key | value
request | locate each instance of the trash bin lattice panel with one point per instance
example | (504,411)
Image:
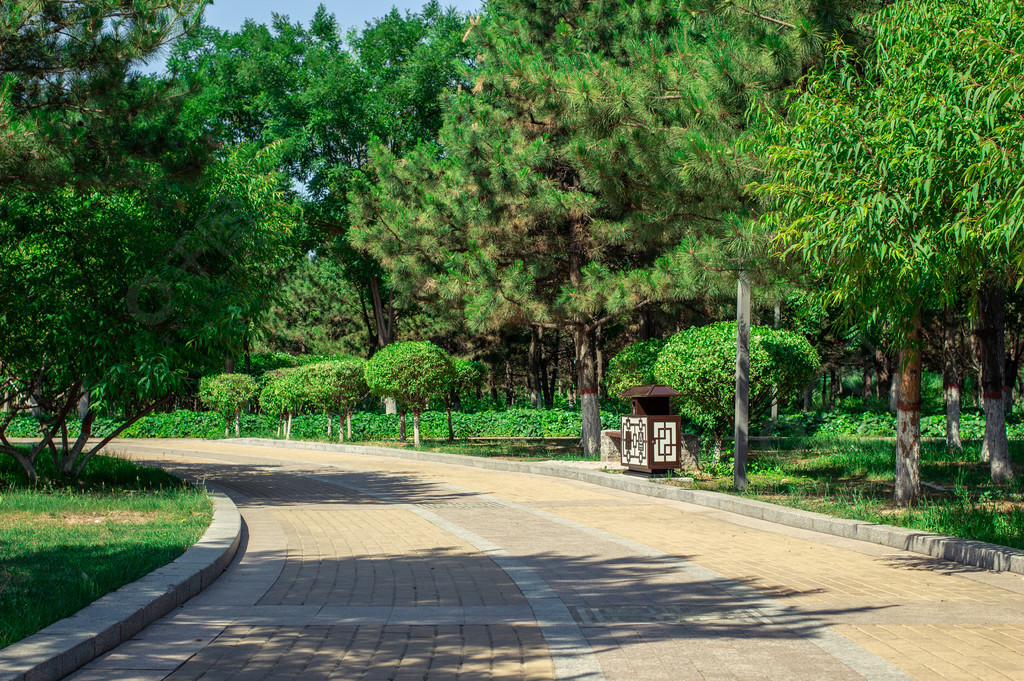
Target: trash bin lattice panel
(634,440)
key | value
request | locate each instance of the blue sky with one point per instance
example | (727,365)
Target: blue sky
(229,14)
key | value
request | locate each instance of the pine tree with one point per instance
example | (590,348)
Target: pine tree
(74,106)
(593,168)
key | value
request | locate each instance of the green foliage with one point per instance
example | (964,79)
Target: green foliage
(281,393)
(75,106)
(633,366)
(896,173)
(261,363)
(339,383)
(412,372)
(470,376)
(227,394)
(700,363)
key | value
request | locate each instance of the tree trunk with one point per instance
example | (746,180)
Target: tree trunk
(238,422)
(545,388)
(991,341)
(645,329)
(586,372)
(229,364)
(1010,369)
(533,371)
(599,358)
(866,391)
(510,388)
(951,382)
(401,425)
(384,321)
(330,420)
(883,375)
(809,397)
(835,385)
(349,419)
(894,394)
(288,428)
(824,390)
(552,380)
(742,403)
(907,486)
(415,427)
(492,385)
(451,431)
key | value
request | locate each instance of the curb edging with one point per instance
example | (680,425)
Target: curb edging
(945,547)
(64,646)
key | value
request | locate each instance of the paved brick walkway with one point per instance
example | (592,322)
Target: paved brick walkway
(368,567)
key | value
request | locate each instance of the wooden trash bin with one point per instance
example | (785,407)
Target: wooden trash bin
(651,436)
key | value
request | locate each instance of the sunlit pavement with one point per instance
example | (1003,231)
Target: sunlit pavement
(371,567)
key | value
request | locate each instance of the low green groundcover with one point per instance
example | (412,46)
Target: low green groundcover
(64,546)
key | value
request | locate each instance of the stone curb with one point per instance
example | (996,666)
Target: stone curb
(64,646)
(954,549)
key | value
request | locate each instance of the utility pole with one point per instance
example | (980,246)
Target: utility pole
(775,388)
(742,380)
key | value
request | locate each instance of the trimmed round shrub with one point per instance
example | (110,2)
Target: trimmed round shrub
(227,394)
(700,363)
(633,366)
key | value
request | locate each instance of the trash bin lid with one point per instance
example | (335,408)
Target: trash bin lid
(650,391)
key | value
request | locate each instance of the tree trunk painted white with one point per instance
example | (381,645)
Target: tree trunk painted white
(238,422)
(280,421)
(951,383)
(991,327)
(907,487)
(350,425)
(330,423)
(416,427)
(995,447)
(288,428)
(951,395)
(587,380)
(742,404)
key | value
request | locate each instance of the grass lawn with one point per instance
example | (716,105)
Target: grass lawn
(852,478)
(64,546)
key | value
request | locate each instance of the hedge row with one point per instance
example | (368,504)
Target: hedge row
(366,426)
(972,425)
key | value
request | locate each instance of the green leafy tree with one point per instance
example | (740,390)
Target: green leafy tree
(893,178)
(633,366)
(74,106)
(281,395)
(228,395)
(592,169)
(118,322)
(413,373)
(324,95)
(700,364)
(336,384)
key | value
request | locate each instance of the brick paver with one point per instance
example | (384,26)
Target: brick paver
(370,567)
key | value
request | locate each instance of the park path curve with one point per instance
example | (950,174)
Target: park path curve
(367,567)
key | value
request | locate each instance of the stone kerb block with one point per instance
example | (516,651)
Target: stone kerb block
(610,454)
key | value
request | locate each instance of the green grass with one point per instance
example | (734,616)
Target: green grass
(853,478)
(63,546)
